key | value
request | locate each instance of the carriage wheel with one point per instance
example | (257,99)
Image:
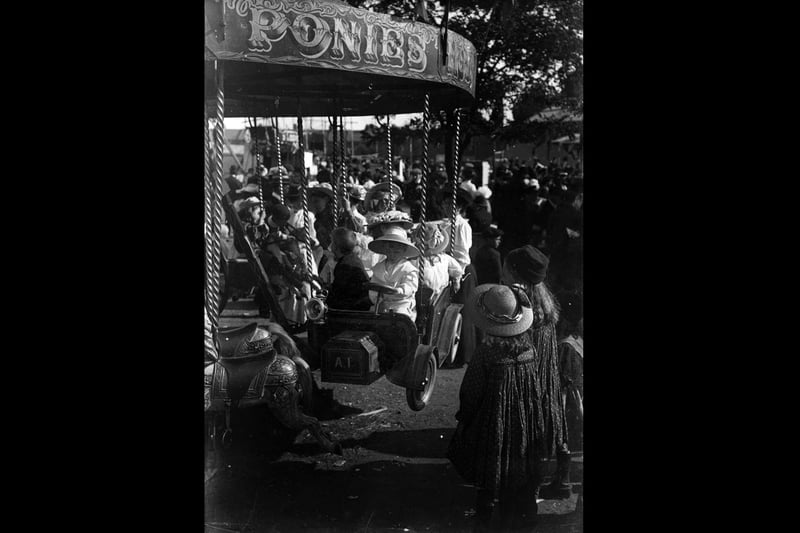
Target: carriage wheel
(418,399)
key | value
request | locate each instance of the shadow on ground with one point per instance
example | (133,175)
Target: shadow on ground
(254,493)
(382,495)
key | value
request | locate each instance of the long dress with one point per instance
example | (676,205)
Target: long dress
(497,444)
(545,341)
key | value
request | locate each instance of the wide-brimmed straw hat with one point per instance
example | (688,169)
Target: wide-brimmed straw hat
(324,189)
(247,203)
(500,310)
(357,192)
(383,187)
(431,239)
(394,234)
(394,217)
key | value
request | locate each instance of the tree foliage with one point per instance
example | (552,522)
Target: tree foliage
(529,53)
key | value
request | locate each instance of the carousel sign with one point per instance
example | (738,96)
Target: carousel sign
(322,33)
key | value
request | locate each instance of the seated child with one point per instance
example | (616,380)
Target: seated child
(438,267)
(396,271)
(347,290)
(377,224)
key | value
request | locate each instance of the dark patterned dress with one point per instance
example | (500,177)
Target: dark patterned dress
(497,444)
(545,341)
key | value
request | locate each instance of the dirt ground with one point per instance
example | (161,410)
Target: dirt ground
(393,475)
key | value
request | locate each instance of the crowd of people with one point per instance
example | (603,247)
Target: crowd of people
(520,237)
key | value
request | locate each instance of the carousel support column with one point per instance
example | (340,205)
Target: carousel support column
(306,230)
(468,338)
(336,180)
(216,226)
(426,128)
(389,162)
(208,213)
(335,141)
(423,214)
(280,161)
(342,150)
(259,162)
(454,179)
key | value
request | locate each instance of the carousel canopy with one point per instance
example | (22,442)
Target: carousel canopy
(331,58)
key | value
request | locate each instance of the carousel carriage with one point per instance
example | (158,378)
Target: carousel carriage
(281,58)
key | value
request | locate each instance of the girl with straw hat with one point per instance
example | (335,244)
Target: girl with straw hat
(438,266)
(497,444)
(396,271)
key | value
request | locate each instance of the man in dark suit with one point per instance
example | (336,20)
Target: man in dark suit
(488,265)
(565,241)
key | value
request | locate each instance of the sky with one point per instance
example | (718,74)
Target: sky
(357,123)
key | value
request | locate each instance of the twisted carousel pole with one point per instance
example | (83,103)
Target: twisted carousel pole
(389,161)
(336,179)
(426,128)
(259,161)
(423,214)
(454,180)
(335,163)
(278,147)
(307,231)
(212,279)
(208,214)
(342,150)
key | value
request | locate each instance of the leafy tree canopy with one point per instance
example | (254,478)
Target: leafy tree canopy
(529,56)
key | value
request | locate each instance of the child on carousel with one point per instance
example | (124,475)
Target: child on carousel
(438,267)
(397,272)
(347,290)
(285,257)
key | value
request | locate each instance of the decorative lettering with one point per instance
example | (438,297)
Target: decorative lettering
(351,38)
(348,37)
(304,26)
(392,45)
(416,54)
(371,51)
(266,26)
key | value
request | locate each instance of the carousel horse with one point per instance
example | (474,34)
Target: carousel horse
(262,365)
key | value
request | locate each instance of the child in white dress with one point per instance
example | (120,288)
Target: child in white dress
(396,271)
